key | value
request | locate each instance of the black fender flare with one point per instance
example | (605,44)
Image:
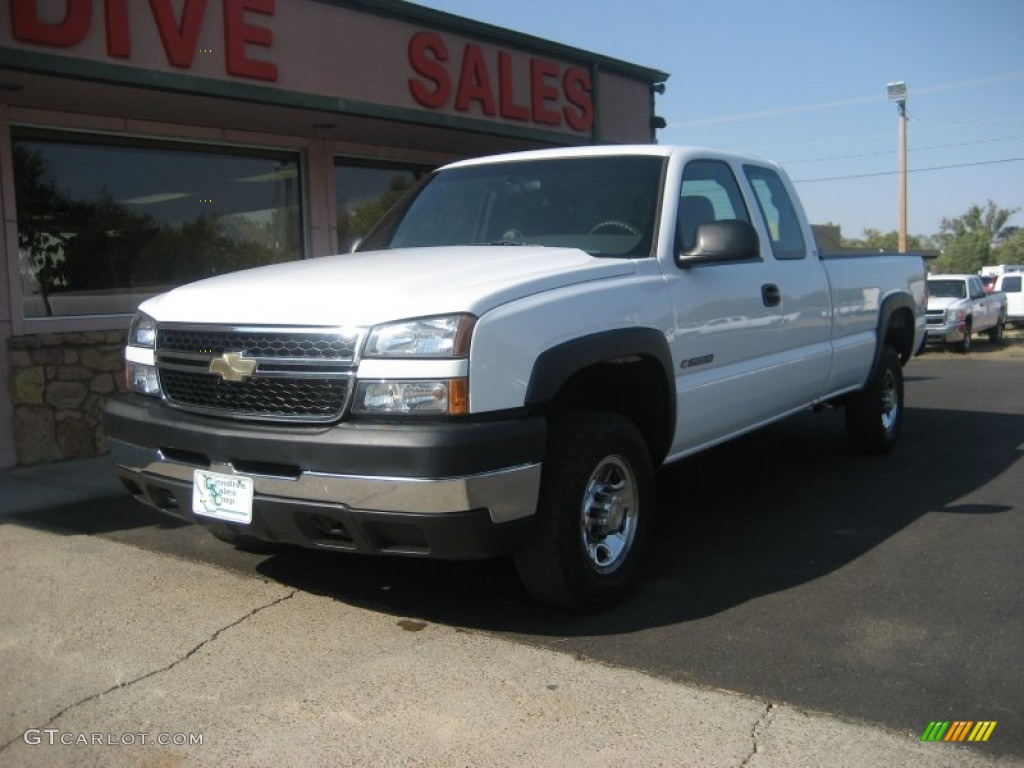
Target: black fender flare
(890,306)
(556,365)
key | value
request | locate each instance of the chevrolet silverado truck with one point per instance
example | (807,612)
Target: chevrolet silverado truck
(505,361)
(959,307)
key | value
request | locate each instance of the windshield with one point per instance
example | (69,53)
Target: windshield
(605,206)
(947,289)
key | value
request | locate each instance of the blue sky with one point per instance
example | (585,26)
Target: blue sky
(803,83)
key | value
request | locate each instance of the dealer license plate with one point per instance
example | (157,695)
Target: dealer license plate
(226,497)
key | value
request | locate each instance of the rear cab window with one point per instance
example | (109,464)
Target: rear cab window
(1011,284)
(779,213)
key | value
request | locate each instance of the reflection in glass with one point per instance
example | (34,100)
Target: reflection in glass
(103,225)
(364,193)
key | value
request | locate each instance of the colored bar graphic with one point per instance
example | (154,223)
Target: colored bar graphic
(958,730)
(982,730)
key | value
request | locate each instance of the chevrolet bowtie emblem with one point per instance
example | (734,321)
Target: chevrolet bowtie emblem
(233,366)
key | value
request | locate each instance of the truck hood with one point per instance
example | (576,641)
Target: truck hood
(363,289)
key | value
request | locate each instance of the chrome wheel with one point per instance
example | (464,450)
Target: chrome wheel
(593,513)
(890,401)
(609,514)
(874,415)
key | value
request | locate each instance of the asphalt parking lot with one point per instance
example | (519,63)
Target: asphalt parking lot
(787,568)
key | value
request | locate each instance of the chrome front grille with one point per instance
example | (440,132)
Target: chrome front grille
(270,374)
(256,342)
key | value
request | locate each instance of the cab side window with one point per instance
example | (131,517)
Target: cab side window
(709,193)
(778,212)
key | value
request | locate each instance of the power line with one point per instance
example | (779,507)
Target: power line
(922,126)
(893,151)
(913,170)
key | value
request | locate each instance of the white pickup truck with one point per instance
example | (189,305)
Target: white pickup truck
(959,307)
(507,359)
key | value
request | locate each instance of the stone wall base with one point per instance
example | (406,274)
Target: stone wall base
(59,385)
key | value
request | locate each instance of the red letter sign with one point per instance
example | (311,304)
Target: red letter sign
(119,40)
(420,45)
(179,40)
(578,88)
(474,81)
(26,26)
(509,108)
(543,92)
(237,34)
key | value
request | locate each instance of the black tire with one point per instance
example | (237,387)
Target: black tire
(228,534)
(596,462)
(964,346)
(995,333)
(874,415)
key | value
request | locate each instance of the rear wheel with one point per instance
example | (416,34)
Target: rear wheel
(874,415)
(995,333)
(597,496)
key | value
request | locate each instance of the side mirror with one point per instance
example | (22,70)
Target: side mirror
(720,242)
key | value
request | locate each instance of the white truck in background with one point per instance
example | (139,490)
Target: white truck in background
(1011,285)
(990,274)
(959,307)
(507,359)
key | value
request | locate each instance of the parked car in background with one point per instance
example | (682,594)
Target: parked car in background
(1010,285)
(959,307)
(990,274)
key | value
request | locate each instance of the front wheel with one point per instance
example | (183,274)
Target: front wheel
(964,346)
(596,500)
(874,415)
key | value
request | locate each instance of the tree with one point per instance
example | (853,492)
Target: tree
(967,240)
(1010,247)
(876,240)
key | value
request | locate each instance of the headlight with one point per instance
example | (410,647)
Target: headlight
(142,379)
(140,369)
(955,315)
(441,396)
(429,337)
(142,331)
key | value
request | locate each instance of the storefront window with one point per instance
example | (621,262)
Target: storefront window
(363,194)
(104,224)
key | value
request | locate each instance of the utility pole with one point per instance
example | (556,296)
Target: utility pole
(898,93)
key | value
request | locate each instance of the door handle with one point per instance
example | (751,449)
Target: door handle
(771,295)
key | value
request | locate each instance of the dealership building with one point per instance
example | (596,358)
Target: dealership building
(148,144)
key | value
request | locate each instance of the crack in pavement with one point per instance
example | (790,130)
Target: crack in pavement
(180,660)
(757,732)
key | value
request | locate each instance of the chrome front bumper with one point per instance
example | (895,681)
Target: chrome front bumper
(507,495)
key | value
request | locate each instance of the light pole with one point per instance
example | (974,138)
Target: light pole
(898,93)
